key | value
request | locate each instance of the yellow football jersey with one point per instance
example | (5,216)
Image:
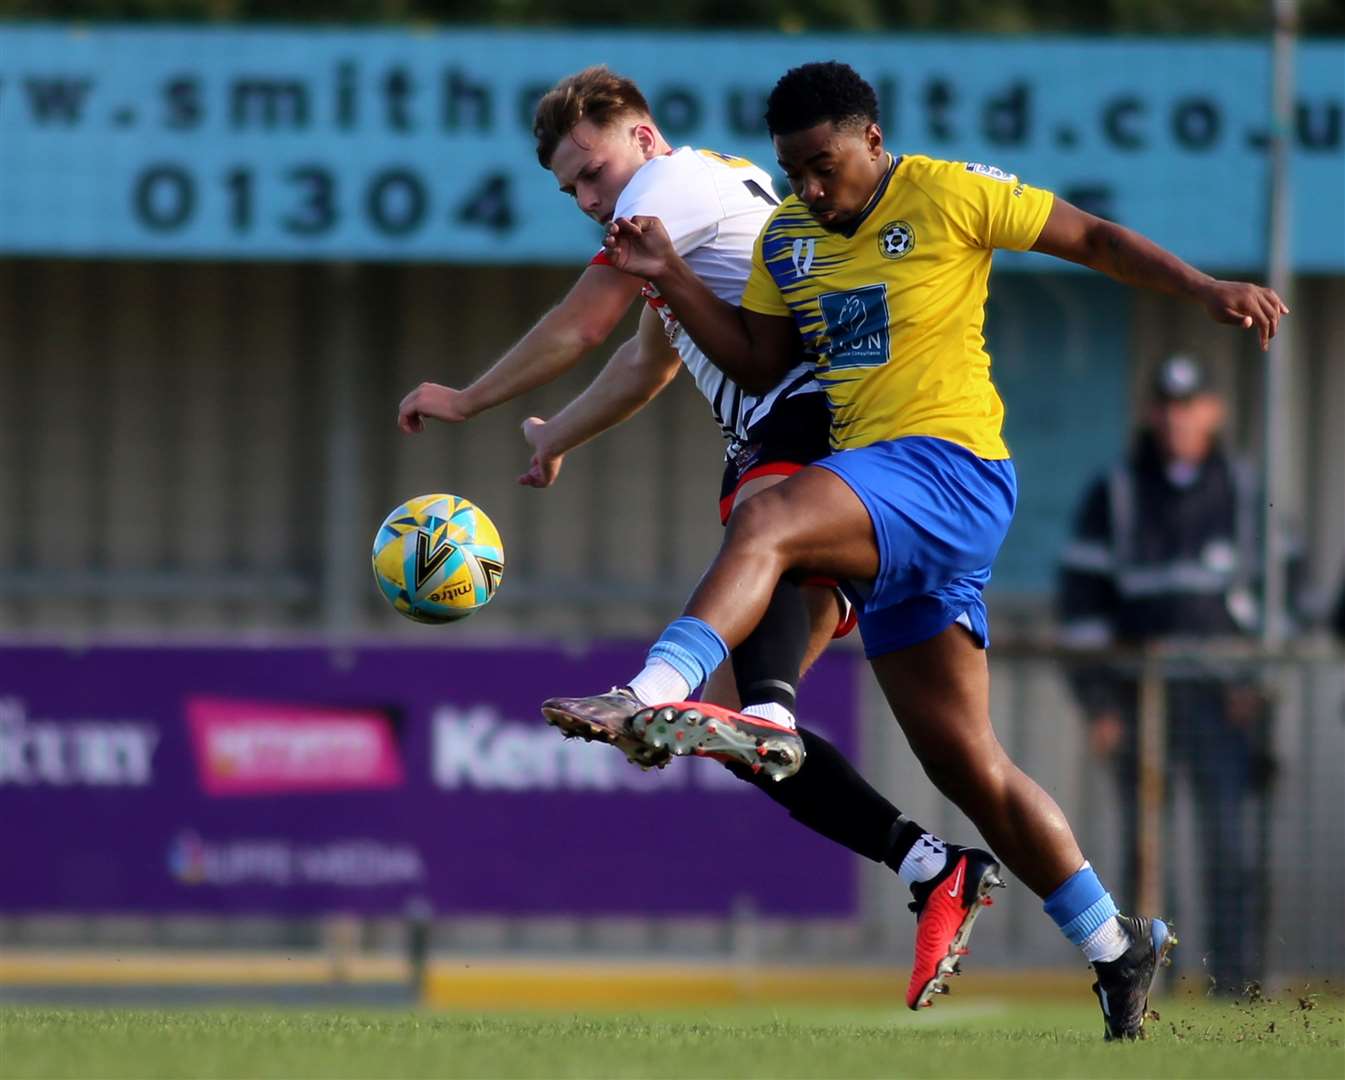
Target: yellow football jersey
(893,310)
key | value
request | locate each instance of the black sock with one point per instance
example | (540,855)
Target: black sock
(766,665)
(828,795)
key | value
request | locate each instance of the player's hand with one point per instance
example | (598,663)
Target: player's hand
(639,245)
(545,465)
(435,402)
(1249,306)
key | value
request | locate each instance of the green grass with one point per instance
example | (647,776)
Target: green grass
(976,1038)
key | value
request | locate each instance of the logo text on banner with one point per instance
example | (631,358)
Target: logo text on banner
(279,143)
(98,753)
(251,748)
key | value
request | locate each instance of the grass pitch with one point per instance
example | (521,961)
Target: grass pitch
(1290,1037)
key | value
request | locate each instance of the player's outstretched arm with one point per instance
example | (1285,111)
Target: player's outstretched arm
(753,350)
(561,338)
(1121,253)
(633,377)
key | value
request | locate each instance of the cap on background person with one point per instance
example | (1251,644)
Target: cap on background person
(1183,416)
(1179,378)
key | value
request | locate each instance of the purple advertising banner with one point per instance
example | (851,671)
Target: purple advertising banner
(301,779)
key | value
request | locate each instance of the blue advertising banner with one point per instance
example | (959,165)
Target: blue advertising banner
(300,780)
(322,143)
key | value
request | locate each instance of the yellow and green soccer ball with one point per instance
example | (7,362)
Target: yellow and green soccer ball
(438,558)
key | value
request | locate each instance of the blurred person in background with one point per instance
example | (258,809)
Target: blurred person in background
(1166,548)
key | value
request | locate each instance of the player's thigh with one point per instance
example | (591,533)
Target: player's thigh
(814,521)
(939,691)
(825,607)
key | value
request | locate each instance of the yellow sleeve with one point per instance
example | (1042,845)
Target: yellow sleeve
(991,208)
(762,294)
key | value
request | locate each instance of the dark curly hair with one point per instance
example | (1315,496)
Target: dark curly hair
(813,94)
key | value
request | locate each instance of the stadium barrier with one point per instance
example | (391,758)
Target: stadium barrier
(749,947)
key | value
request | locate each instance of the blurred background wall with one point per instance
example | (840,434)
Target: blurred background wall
(208,448)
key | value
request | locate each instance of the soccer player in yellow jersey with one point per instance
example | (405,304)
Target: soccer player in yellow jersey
(878,266)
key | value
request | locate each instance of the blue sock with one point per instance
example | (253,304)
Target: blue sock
(1081,905)
(693,647)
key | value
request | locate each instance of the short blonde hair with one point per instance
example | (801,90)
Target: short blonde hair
(596,93)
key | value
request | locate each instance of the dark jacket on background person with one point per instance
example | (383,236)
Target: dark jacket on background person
(1154,558)
(1171,551)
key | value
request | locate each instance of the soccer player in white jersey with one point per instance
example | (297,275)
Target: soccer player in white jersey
(595,133)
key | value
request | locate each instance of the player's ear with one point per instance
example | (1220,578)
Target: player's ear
(646,138)
(873,136)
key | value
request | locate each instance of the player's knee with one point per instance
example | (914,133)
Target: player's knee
(759,523)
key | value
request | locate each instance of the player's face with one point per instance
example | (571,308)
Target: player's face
(594,164)
(833,170)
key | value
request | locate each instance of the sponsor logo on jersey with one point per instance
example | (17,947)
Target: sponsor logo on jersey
(990,171)
(896,240)
(857,323)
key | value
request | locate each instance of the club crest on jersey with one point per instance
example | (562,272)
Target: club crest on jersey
(802,253)
(896,240)
(857,324)
(990,171)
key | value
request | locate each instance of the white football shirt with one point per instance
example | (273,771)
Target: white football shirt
(713,207)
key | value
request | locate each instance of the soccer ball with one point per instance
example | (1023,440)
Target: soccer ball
(438,558)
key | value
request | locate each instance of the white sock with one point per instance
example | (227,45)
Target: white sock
(1107,942)
(659,683)
(925,861)
(773,712)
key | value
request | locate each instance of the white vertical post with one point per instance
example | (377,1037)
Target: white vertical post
(1279,274)
(1151,776)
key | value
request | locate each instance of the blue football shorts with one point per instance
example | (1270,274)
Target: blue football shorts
(939,513)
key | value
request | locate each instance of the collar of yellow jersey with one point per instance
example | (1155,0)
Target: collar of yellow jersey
(878,193)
